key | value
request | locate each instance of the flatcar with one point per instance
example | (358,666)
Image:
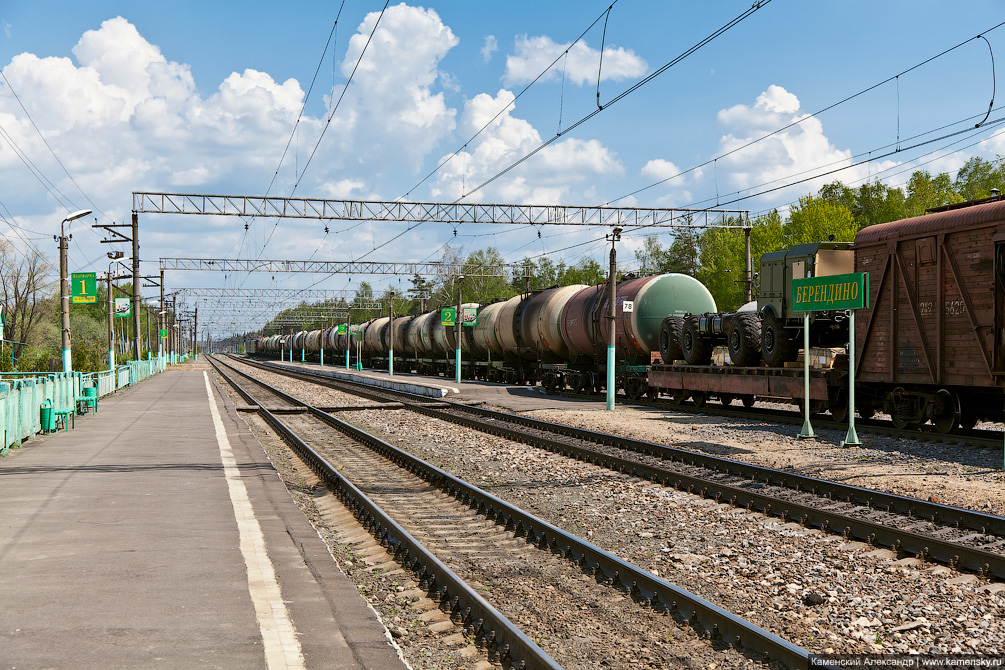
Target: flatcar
(930,347)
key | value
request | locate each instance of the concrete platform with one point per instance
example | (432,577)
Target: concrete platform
(158,534)
(515,398)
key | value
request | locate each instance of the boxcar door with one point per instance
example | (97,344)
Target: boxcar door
(999,353)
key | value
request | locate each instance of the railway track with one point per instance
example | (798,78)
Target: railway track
(403,500)
(959,538)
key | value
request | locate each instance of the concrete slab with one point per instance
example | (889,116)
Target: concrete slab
(514,398)
(120,546)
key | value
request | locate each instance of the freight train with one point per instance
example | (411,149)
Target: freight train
(557,336)
(930,347)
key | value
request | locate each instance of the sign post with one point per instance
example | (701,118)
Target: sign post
(448,319)
(847,291)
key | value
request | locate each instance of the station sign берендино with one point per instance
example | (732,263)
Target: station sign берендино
(817,294)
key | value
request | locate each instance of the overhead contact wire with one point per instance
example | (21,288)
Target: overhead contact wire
(817,113)
(620,96)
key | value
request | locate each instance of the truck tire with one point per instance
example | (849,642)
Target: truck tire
(670,334)
(777,345)
(697,348)
(744,340)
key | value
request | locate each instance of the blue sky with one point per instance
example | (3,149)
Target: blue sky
(203,97)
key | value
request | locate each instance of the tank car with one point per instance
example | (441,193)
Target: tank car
(637,331)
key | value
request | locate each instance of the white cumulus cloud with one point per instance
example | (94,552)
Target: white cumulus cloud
(490,47)
(533,54)
(391,113)
(785,156)
(550,177)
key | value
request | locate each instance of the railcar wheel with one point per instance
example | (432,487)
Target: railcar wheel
(776,344)
(697,349)
(726,399)
(633,389)
(699,398)
(671,331)
(901,423)
(653,392)
(866,411)
(968,420)
(839,412)
(747,399)
(947,420)
(744,340)
(678,396)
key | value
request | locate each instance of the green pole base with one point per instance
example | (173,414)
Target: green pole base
(851,439)
(807,432)
(610,378)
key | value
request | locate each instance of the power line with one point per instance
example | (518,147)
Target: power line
(813,115)
(620,96)
(306,97)
(511,102)
(47,146)
(330,117)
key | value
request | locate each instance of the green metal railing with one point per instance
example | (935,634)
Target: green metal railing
(22,394)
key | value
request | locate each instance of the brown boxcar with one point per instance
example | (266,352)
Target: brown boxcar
(930,346)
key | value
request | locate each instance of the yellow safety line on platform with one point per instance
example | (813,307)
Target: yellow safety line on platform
(282,648)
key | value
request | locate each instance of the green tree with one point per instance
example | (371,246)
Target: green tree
(477,288)
(682,256)
(925,191)
(652,257)
(816,219)
(587,271)
(723,266)
(977,177)
(870,203)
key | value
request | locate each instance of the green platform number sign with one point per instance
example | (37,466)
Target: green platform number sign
(340,329)
(123,308)
(448,316)
(83,288)
(469,316)
(164,333)
(814,294)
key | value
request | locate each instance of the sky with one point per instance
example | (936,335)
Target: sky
(102,99)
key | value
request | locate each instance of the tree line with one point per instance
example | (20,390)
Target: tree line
(31,322)
(714,256)
(30,295)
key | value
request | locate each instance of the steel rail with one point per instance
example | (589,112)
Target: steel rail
(707,618)
(980,561)
(480,619)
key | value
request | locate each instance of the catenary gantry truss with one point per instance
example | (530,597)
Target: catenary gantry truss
(338,267)
(438,212)
(270,294)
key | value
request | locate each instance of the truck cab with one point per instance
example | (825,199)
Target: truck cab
(778,268)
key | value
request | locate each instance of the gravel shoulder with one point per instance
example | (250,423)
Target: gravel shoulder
(813,589)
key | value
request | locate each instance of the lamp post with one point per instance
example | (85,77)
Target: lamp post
(457,333)
(612,294)
(64,286)
(390,339)
(113,256)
